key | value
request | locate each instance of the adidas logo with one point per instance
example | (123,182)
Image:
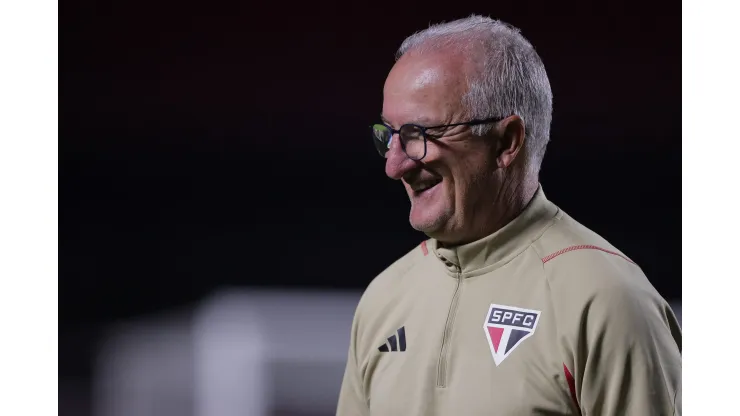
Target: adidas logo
(397,342)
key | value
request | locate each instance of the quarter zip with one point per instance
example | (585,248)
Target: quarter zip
(444,352)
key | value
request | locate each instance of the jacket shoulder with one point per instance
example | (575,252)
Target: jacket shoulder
(595,286)
(575,256)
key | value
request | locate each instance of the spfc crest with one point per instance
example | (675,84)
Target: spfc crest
(507,327)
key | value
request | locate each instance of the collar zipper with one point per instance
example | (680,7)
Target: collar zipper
(445,350)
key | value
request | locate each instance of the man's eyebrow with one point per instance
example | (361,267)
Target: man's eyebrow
(420,121)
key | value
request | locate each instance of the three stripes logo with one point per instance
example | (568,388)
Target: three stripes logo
(397,342)
(507,327)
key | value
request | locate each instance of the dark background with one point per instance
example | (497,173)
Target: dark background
(207,144)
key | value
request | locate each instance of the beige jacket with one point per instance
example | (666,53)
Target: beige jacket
(542,317)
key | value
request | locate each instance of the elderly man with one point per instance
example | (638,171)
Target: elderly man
(511,307)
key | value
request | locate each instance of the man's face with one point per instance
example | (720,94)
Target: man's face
(454,187)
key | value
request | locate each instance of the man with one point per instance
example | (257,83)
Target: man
(511,307)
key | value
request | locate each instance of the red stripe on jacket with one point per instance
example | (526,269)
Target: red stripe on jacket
(572,386)
(582,247)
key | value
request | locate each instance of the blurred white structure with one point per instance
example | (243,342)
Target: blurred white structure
(242,352)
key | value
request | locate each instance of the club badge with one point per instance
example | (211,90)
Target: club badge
(506,327)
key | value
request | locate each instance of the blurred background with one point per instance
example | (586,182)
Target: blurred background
(223,206)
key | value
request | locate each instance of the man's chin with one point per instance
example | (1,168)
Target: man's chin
(427,224)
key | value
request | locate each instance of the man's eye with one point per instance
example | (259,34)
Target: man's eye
(435,133)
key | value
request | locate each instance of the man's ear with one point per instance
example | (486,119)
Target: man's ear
(511,135)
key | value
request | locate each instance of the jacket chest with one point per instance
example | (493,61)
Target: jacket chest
(477,351)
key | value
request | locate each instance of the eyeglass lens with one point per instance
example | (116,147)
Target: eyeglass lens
(412,140)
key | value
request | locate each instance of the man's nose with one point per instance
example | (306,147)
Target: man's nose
(397,163)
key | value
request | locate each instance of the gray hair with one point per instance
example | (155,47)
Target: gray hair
(511,78)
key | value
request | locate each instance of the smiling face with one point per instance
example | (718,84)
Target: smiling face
(454,188)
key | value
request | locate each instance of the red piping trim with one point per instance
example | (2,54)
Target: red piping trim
(583,247)
(424,248)
(572,386)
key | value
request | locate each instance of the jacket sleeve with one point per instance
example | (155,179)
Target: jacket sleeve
(352,401)
(627,356)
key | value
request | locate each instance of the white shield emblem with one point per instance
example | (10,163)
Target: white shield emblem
(506,327)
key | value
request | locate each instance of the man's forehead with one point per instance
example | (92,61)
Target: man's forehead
(422,89)
(419,75)
(418,72)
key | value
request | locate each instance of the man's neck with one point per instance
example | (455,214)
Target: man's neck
(510,202)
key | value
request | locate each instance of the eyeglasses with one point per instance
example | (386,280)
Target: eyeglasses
(413,137)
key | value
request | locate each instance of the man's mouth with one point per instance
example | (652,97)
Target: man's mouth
(421,187)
